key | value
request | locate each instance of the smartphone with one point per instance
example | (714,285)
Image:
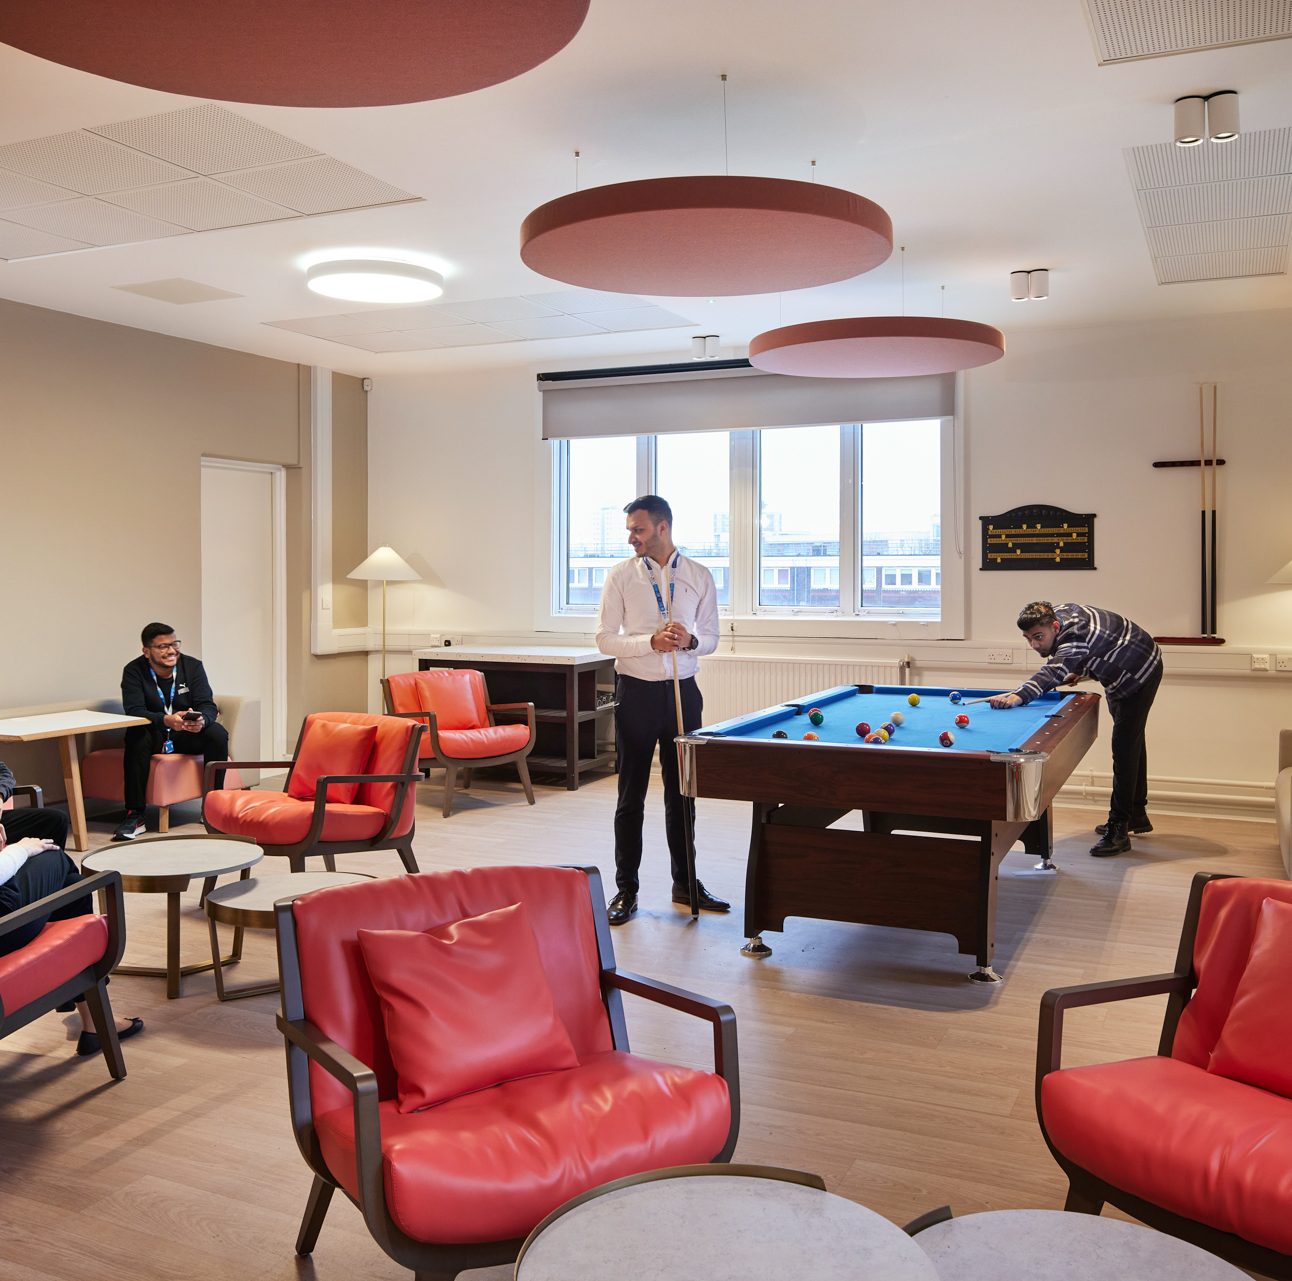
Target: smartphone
(191,716)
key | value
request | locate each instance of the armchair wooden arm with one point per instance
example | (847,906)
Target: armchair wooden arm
(527,708)
(219,767)
(37,794)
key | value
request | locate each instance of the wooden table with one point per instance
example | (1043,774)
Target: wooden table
(561,681)
(65,726)
(168,865)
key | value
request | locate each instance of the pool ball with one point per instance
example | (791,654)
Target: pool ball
(882,734)
(946,738)
(862,729)
(913,699)
(962,720)
(816,716)
(897,718)
(889,728)
(956,696)
(873,738)
(810,737)
(779,733)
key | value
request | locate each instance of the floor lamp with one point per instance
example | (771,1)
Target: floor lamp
(388,566)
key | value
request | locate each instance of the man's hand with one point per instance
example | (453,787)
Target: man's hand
(30,845)
(1005,700)
(672,636)
(175,721)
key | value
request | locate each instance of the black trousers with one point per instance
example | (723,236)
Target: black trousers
(40,875)
(143,741)
(646,718)
(1130,756)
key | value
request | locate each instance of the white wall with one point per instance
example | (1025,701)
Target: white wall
(459,484)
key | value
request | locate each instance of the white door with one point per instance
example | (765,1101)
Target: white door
(243,620)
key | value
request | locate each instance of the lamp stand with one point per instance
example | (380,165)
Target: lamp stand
(383,629)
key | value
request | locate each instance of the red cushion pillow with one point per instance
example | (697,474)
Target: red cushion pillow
(466,1006)
(331,747)
(1255,1044)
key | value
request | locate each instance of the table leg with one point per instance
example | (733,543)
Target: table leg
(72,781)
(218,963)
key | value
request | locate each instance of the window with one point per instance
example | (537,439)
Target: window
(798,515)
(600,477)
(692,471)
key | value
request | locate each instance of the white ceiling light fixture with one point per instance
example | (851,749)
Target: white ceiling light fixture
(1222,116)
(1190,120)
(374,280)
(705,347)
(1029,286)
(1018,286)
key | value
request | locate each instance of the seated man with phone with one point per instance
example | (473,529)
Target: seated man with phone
(172,692)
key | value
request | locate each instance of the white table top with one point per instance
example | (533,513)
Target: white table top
(178,856)
(1053,1245)
(557,655)
(723,1228)
(25,729)
(260,893)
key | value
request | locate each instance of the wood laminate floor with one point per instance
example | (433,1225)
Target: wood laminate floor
(865,1055)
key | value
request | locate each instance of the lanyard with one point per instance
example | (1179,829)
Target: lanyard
(166,706)
(672,581)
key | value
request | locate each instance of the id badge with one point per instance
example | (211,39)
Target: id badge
(168,746)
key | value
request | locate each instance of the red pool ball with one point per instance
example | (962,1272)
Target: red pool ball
(946,738)
(962,720)
(862,729)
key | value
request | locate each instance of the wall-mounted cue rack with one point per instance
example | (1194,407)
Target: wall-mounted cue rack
(1038,537)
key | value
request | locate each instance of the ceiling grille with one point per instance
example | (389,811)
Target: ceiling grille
(1125,30)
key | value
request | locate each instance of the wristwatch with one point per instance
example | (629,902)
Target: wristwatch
(695,643)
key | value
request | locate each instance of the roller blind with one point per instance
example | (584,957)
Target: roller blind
(647,403)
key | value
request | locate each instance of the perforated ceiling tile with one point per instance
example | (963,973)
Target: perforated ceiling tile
(362,322)
(1209,202)
(200,205)
(548,327)
(487,310)
(1128,29)
(26,242)
(1224,266)
(1264,153)
(465,336)
(319,185)
(86,163)
(584,301)
(206,139)
(1216,237)
(17,190)
(94,222)
(637,318)
(413,339)
(177,290)
(424,316)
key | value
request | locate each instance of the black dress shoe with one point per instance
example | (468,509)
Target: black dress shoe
(1138,826)
(621,907)
(708,902)
(1114,841)
(88,1042)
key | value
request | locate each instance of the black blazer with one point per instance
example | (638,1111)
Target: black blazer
(139,696)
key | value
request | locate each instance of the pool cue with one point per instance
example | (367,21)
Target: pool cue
(986,698)
(1202,509)
(1215,623)
(688,828)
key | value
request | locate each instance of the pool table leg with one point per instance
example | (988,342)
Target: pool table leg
(1038,838)
(756,948)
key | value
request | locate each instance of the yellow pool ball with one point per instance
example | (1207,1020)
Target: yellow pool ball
(913,699)
(882,735)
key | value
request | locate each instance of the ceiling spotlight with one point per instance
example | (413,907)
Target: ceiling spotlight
(1038,283)
(1222,116)
(1190,120)
(374,280)
(1018,286)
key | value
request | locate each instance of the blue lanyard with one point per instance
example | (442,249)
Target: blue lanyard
(166,707)
(659,600)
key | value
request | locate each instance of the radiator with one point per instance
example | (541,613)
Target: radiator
(735,686)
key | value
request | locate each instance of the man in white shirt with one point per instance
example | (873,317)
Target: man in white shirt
(655,605)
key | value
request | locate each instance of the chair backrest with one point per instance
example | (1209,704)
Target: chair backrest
(400,689)
(1229,911)
(339,998)
(456,696)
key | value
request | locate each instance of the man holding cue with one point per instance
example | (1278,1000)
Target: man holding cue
(1080,641)
(659,615)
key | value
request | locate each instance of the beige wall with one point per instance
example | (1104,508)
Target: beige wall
(103,429)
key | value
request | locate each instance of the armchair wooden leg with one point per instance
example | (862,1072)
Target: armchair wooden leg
(1080,1202)
(523,770)
(329,861)
(163,819)
(465,784)
(315,1210)
(450,781)
(408,858)
(105,1025)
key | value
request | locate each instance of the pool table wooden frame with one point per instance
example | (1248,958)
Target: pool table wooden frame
(895,872)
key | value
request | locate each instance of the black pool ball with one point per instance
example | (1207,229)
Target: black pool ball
(779,733)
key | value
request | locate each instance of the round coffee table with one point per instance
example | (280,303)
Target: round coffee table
(1054,1245)
(168,865)
(723,1223)
(249,904)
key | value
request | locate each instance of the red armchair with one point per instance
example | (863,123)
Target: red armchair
(462,734)
(350,787)
(460,1183)
(1195,1141)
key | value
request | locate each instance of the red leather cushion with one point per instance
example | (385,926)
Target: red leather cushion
(493,740)
(1255,1044)
(1226,924)
(403,692)
(393,734)
(59,952)
(489,1166)
(466,1006)
(340,999)
(456,697)
(1192,1142)
(273,818)
(330,747)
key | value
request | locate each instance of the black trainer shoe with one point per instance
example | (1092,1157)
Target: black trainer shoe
(708,902)
(621,907)
(1138,826)
(1114,841)
(131,826)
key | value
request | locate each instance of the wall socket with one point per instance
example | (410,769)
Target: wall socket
(1002,656)
(1260,662)
(1283,662)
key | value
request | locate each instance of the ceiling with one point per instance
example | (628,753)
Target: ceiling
(989,132)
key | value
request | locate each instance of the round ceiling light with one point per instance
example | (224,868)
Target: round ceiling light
(374,280)
(298,53)
(876,347)
(706,236)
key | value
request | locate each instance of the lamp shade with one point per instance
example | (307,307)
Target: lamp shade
(1190,121)
(385,565)
(1222,116)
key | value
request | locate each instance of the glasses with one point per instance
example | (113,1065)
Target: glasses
(168,645)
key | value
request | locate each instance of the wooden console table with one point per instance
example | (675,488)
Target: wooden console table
(575,733)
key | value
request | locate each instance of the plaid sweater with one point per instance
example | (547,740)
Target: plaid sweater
(1117,653)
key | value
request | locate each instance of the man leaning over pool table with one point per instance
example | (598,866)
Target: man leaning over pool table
(1079,642)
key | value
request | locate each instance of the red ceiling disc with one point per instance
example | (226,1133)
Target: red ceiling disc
(297,53)
(711,235)
(876,347)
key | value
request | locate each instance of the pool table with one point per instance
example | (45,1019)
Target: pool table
(992,787)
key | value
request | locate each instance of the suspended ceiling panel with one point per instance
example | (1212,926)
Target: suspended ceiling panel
(200,168)
(1126,30)
(1216,211)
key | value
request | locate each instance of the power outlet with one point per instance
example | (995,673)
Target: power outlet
(1005,657)
(1283,662)
(1260,662)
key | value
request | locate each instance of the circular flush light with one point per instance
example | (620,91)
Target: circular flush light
(374,280)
